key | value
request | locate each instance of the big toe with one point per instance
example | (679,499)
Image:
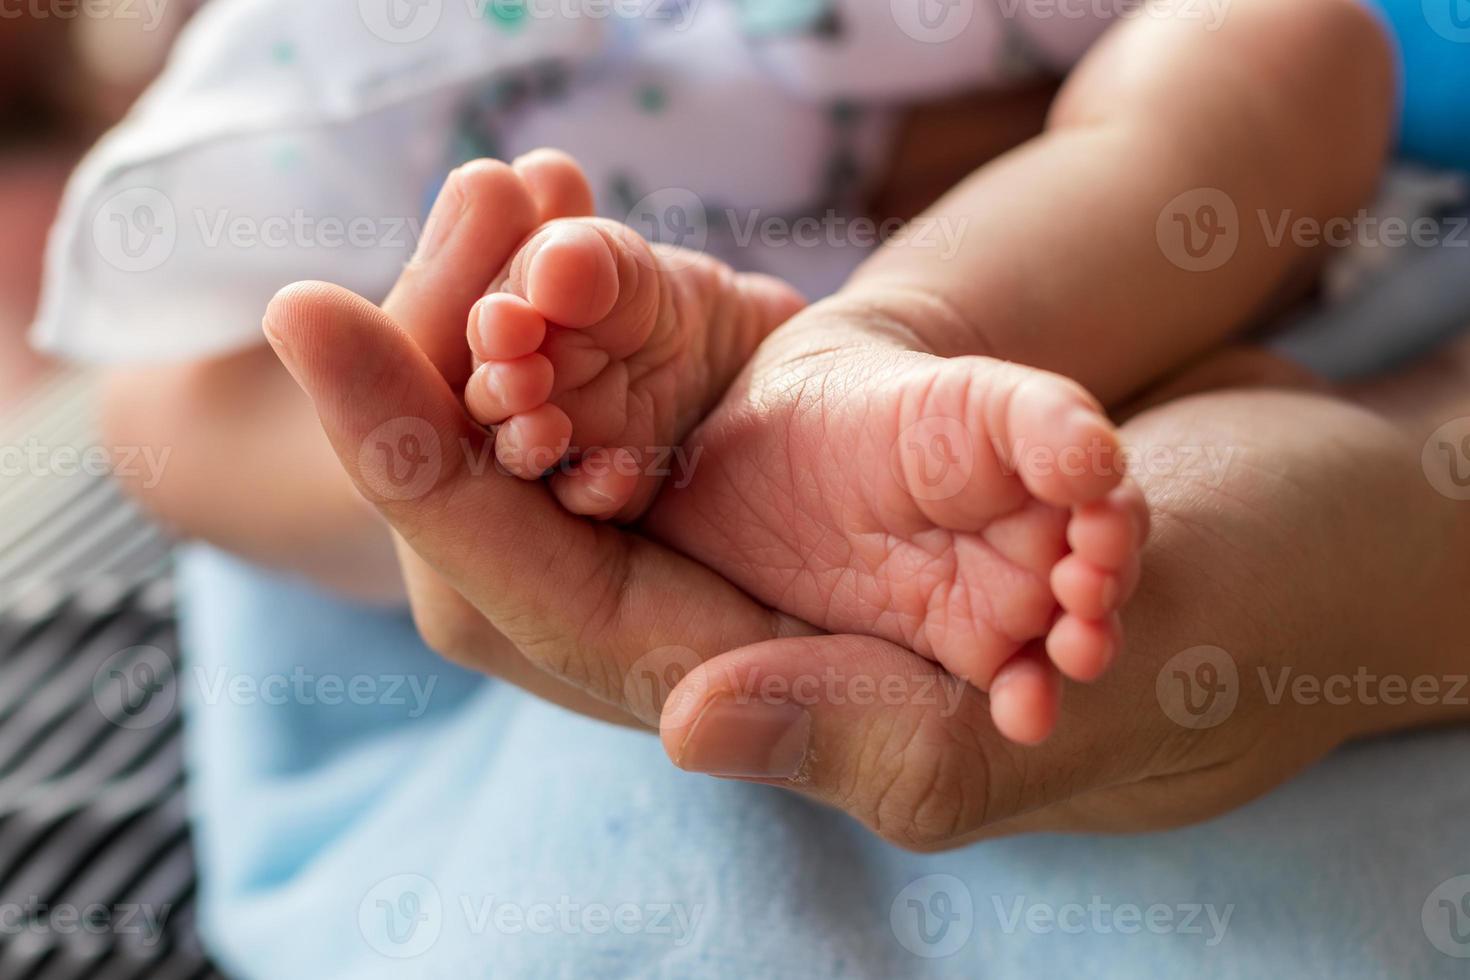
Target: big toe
(1059,441)
(571,273)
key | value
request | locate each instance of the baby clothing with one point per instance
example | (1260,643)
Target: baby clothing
(291,141)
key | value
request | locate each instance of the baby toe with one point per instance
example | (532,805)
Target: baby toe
(603,483)
(571,276)
(531,443)
(504,327)
(1109,532)
(500,389)
(1083,589)
(1025,697)
(1063,446)
(1082,649)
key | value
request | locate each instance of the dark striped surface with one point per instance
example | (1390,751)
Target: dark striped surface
(96,870)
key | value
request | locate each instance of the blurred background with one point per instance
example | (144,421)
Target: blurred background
(68,70)
(96,866)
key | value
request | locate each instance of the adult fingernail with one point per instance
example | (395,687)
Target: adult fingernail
(755,740)
(443,216)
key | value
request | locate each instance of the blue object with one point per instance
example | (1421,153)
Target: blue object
(478,832)
(1433,38)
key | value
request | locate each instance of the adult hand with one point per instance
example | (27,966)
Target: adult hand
(606,621)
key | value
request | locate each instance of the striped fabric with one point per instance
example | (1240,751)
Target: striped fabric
(96,869)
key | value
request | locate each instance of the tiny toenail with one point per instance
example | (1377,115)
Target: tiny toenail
(1110,592)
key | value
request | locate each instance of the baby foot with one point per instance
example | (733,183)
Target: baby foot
(968,508)
(598,353)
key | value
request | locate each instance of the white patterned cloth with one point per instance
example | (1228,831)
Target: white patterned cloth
(292,140)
